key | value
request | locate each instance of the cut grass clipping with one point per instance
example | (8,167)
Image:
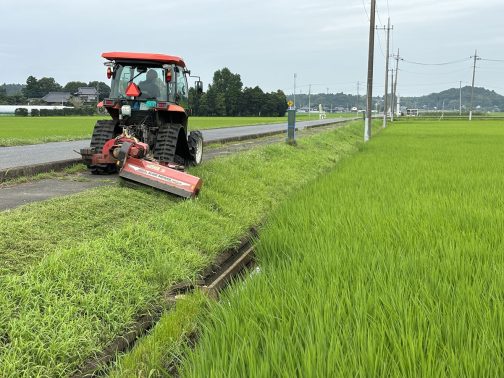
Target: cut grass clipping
(73,299)
(392,265)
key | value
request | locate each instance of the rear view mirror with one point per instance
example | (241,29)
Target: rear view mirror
(199,86)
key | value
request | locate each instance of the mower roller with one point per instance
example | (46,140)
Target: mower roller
(147,139)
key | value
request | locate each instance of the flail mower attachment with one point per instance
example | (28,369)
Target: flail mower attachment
(151,173)
(160,177)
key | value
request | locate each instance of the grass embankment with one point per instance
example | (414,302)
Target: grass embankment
(31,130)
(392,265)
(81,295)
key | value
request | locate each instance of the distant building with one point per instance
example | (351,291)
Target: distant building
(412,112)
(87,94)
(57,98)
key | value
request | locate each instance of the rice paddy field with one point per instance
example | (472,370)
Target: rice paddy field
(76,272)
(383,259)
(31,130)
(392,264)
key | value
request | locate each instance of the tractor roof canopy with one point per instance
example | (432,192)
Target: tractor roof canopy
(143,57)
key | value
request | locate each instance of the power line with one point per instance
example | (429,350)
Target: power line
(436,64)
(493,60)
(365,9)
(436,72)
(379,40)
(378,14)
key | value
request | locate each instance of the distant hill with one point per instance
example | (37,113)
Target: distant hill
(485,99)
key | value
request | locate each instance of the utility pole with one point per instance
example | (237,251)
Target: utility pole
(309,101)
(394,98)
(460,99)
(472,89)
(367,122)
(358,95)
(294,101)
(392,95)
(387,57)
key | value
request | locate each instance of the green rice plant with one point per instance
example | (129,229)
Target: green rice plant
(76,298)
(30,130)
(391,265)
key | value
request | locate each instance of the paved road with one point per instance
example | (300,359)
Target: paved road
(11,157)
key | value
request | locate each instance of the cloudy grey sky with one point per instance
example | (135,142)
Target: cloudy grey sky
(266,42)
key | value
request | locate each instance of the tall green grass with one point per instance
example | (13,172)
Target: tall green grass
(81,295)
(392,265)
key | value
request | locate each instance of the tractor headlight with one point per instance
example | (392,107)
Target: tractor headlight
(126,110)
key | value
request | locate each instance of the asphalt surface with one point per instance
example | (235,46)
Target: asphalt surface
(11,157)
(21,194)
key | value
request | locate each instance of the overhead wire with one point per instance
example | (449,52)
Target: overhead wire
(435,64)
(493,60)
(379,29)
(365,10)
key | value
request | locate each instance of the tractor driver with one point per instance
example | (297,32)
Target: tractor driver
(149,87)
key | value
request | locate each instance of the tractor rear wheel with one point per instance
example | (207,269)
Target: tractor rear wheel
(104,130)
(195,142)
(171,145)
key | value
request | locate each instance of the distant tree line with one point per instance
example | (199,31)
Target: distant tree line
(484,99)
(226,96)
(35,89)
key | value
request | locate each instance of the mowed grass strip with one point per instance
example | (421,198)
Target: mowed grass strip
(32,130)
(30,232)
(80,297)
(392,265)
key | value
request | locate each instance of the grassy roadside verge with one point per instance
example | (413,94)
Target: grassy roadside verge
(79,297)
(16,131)
(72,170)
(392,265)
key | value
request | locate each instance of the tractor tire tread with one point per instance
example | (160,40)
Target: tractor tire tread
(166,144)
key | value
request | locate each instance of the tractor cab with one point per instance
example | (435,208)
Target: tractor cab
(147,82)
(144,83)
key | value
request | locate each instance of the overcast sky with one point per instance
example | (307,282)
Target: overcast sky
(324,41)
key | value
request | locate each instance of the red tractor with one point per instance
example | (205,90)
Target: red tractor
(147,139)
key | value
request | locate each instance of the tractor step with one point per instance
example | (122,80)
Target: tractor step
(161,177)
